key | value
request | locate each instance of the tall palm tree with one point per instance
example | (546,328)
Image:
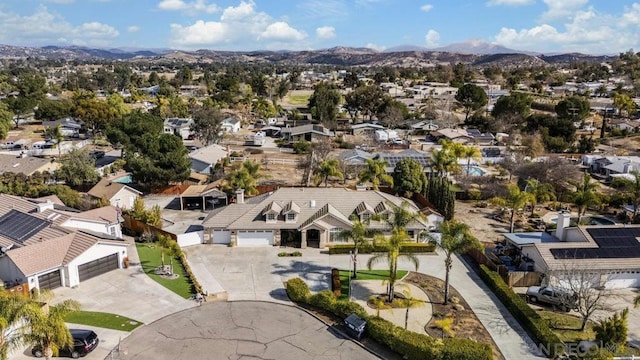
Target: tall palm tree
(359,234)
(326,169)
(442,162)
(375,173)
(393,245)
(12,328)
(401,216)
(470,152)
(455,238)
(515,199)
(253,168)
(585,195)
(541,192)
(47,328)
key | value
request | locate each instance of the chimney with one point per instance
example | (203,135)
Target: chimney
(312,203)
(564,220)
(627,168)
(42,207)
(240,196)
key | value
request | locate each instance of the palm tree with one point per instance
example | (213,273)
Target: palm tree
(585,195)
(470,152)
(393,245)
(245,177)
(442,162)
(11,325)
(359,235)
(401,216)
(55,133)
(47,328)
(409,302)
(326,169)
(632,188)
(253,168)
(541,192)
(375,173)
(515,200)
(455,238)
(379,304)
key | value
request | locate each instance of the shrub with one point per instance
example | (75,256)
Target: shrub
(344,308)
(526,316)
(254,151)
(286,254)
(455,349)
(325,299)
(369,248)
(297,290)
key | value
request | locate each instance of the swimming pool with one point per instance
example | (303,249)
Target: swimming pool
(476,171)
(590,220)
(124,179)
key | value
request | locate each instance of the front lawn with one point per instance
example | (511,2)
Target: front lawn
(298,99)
(567,326)
(150,259)
(364,275)
(102,320)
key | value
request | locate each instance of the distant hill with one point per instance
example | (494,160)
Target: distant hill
(473,53)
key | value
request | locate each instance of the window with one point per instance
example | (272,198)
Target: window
(365,217)
(112,230)
(291,217)
(334,235)
(271,217)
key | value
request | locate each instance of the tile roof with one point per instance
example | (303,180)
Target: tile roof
(25,165)
(42,256)
(107,189)
(209,154)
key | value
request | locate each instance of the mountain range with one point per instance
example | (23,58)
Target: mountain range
(471,52)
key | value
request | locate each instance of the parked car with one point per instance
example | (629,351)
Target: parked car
(556,297)
(97,154)
(84,342)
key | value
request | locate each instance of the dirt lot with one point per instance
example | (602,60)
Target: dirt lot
(480,221)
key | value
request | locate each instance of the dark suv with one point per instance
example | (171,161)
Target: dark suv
(84,342)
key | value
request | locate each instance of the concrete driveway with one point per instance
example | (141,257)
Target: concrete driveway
(240,330)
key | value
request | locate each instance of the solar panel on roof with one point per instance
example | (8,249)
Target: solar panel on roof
(19,226)
(613,243)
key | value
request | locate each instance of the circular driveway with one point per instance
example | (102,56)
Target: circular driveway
(240,330)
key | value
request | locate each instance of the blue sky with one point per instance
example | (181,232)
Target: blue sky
(588,26)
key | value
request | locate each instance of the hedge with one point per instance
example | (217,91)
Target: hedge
(537,327)
(410,345)
(411,248)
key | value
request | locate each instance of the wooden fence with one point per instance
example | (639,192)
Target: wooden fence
(511,278)
(139,227)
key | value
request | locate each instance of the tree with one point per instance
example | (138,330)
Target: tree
(470,152)
(515,200)
(95,113)
(471,97)
(391,112)
(409,177)
(393,246)
(6,116)
(48,328)
(516,105)
(77,168)
(624,103)
(632,188)
(56,134)
(455,238)
(324,102)
(360,235)
(442,162)
(540,192)
(575,108)
(446,326)
(582,283)
(12,329)
(409,302)
(326,169)
(160,160)
(31,87)
(375,173)
(128,131)
(207,125)
(244,177)
(53,109)
(613,330)
(585,195)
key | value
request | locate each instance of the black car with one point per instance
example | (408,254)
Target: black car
(84,342)
(97,154)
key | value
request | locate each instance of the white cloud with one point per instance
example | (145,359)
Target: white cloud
(432,38)
(133,28)
(585,31)
(239,27)
(45,28)
(192,7)
(375,47)
(323,9)
(509,2)
(561,9)
(426,7)
(326,32)
(60,1)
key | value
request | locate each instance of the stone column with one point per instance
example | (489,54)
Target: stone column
(303,241)
(324,239)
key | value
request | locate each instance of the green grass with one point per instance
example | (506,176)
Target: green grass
(364,275)
(150,259)
(102,320)
(298,100)
(567,326)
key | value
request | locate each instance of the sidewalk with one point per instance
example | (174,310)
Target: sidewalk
(419,316)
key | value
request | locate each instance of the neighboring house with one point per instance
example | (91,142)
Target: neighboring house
(204,159)
(392,159)
(118,194)
(202,197)
(65,123)
(231,125)
(455,135)
(611,252)
(610,166)
(354,157)
(308,132)
(45,248)
(425,125)
(178,126)
(625,124)
(26,164)
(304,217)
(366,129)
(480,138)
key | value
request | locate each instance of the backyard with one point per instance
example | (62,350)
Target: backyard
(151,259)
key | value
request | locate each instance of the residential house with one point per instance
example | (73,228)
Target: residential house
(202,197)
(625,124)
(303,217)
(42,247)
(178,126)
(455,135)
(65,123)
(611,166)
(392,159)
(308,132)
(425,125)
(204,159)
(231,125)
(366,129)
(354,157)
(26,165)
(118,194)
(611,253)
(480,138)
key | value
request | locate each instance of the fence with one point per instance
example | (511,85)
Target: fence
(139,227)
(292,162)
(511,278)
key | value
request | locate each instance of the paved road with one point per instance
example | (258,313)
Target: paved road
(259,274)
(240,330)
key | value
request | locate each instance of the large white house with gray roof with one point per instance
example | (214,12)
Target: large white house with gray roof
(304,217)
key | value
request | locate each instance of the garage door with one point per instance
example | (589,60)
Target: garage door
(221,236)
(98,267)
(255,238)
(623,280)
(50,280)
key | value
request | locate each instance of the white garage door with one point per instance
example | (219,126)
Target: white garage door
(623,280)
(221,236)
(255,238)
